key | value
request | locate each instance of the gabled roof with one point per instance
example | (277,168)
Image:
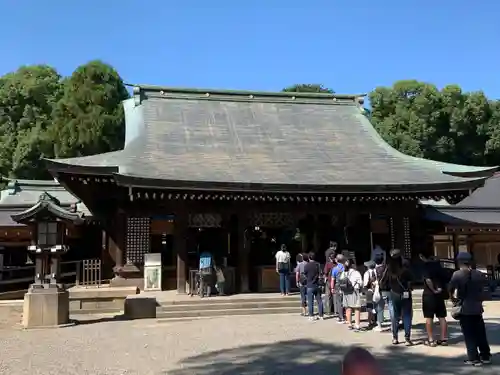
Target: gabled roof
(244,141)
(49,206)
(481,207)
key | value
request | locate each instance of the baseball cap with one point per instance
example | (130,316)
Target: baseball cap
(464,257)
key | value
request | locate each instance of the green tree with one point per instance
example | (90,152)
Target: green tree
(89,118)
(447,125)
(308,88)
(492,147)
(27,98)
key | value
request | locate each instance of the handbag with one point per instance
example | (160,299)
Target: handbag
(376,291)
(457,308)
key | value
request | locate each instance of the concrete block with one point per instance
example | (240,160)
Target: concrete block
(140,307)
(45,308)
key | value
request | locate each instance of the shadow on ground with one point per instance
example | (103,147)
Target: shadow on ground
(310,357)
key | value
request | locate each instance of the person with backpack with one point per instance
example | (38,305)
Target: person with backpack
(369,284)
(467,290)
(301,281)
(312,271)
(206,268)
(350,283)
(338,309)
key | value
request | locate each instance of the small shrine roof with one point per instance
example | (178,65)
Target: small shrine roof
(20,195)
(47,206)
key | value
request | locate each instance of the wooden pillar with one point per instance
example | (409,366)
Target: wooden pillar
(399,233)
(316,229)
(243,253)
(180,238)
(116,237)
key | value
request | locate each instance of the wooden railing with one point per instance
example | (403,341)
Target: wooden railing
(85,272)
(20,277)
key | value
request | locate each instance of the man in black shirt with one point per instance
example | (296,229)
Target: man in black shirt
(433,299)
(467,286)
(312,270)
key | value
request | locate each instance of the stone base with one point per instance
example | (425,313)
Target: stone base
(105,298)
(45,307)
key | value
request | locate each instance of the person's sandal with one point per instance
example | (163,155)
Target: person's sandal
(430,343)
(442,342)
(408,342)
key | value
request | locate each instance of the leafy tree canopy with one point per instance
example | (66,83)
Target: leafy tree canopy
(43,115)
(89,118)
(448,125)
(308,88)
(27,97)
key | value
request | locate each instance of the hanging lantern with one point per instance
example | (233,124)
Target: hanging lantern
(297,236)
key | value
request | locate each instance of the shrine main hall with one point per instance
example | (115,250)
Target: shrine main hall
(239,173)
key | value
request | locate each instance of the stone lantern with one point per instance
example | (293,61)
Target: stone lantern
(46,304)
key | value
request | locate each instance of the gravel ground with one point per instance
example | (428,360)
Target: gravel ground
(280,344)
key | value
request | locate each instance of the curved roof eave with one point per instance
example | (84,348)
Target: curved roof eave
(55,210)
(242,187)
(66,166)
(451,169)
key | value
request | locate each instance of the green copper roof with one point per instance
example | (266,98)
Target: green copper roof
(243,140)
(20,195)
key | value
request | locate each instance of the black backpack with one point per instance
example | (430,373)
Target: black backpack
(343,281)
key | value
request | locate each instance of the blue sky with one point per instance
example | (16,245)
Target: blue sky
(350,46)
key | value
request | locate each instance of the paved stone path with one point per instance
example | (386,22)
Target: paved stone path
(281,344)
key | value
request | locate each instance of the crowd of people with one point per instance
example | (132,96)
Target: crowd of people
(338,286)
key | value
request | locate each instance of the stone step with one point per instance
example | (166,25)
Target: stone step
(232,305)
(208,305)
(197,302)
(163,314)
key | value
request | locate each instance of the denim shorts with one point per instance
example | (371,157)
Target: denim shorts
(303,296)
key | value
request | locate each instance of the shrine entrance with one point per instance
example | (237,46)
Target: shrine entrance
(265,235)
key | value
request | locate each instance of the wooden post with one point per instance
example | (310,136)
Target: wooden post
(243,253)
(316,228)
(180,237)
(116,232)
(399,233)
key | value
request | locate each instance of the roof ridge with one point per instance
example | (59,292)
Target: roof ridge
(145,91)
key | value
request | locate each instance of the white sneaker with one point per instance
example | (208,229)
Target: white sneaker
(377,329)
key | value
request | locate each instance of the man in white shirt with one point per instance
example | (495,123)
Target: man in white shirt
(377,252)
(283,269)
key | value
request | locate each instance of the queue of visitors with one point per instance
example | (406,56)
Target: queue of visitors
(389,282)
